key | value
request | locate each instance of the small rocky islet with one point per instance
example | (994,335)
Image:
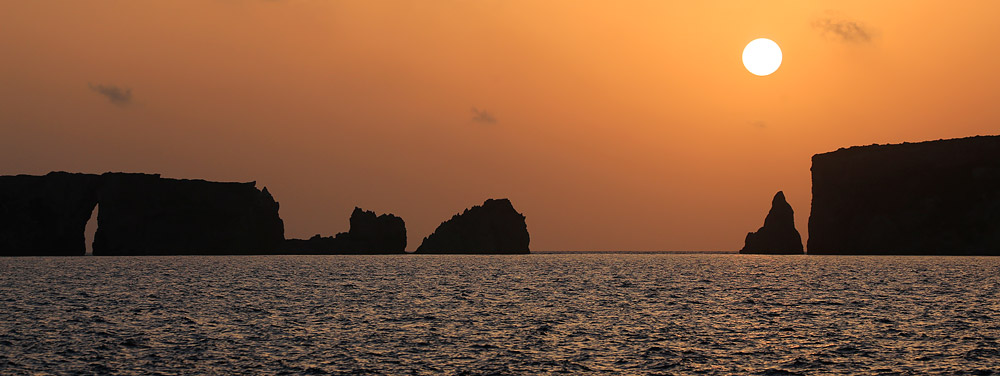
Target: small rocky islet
(369,234)
(491,228)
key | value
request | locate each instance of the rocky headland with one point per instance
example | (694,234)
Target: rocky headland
(140,214)
(928,198)
(143,214)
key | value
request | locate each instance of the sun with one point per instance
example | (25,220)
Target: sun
(762,56)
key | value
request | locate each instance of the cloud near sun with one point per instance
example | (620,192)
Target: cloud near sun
(483,116)
(843,29)
(115,94)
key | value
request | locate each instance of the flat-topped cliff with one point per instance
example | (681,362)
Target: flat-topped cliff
(143,214)
(927,198)
(140,214)
(493,228)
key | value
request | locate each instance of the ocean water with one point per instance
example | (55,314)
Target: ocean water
(500,315)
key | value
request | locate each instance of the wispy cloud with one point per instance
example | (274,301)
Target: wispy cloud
(483,116)
(115,94)
(758,124)
(843,29)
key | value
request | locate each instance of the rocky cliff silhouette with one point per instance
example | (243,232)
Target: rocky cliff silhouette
(929,198)
(45,215)
(140,214)
(493,228)
(369,234)
(778,235)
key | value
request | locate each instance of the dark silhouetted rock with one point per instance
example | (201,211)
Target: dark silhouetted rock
(143,214)
(45,215)
(928,198)
(778,235)
(493,228)
(140,214)
(369,234)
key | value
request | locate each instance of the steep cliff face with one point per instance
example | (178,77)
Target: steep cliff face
(928,198)
(369,234)
(493,228)
(45,215)
(143,214)
(778,235)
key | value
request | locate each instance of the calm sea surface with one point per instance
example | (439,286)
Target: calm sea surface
(500,315)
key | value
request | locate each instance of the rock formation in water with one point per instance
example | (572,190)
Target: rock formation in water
(140,214)
(778,235)
(493,228)
(369,234)
(45,215)
(928,198)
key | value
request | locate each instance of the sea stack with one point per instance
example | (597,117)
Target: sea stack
(778,235)
(369,234)
(493,228)
(927,198)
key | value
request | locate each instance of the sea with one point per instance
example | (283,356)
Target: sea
(539,314)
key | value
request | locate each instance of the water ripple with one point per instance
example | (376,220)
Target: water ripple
(500,315)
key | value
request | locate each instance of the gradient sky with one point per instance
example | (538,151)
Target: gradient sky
(612,125)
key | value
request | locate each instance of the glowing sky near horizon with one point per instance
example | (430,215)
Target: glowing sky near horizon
(628,125)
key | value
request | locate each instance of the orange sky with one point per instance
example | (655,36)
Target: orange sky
(624,125)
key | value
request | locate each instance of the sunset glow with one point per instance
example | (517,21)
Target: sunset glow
(611,125)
